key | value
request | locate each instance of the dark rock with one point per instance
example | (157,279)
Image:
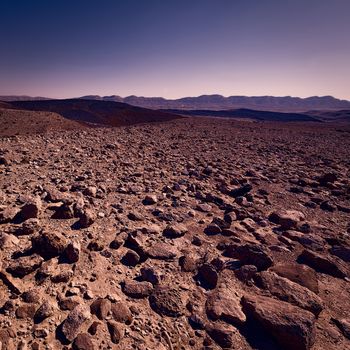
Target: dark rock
(136,289)
(72,324)
(116,331)
(321,263)
(251,254)
(166,301)
(49,244)
(131,258)
(175,231)
(292,327)
(101,308)
(83,342)
(24,265)
(208,276)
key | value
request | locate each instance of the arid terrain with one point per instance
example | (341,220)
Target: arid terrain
(195,233)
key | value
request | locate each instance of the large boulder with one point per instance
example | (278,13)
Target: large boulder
(225,303)
(322,263)
(289,291)
(49,244)
(292,327)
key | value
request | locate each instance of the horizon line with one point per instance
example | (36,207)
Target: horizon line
(166,98)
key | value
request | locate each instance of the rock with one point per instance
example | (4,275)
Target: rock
(149,274)
(246,273)
(212,229)
(31,296)
(46,310)
(83,342)
(188,263)
(121,313)
(166,301)
(327,178)
(49,244)
(96,245)
(241,191)
(292,327)
(71,253)
(224,304)
(130,258)
(101,308)
(208,276)
(87,218)
(251,254)
(137,289)
(223,336)
(175,231)
(24,265)
(90,191)
(161,251)
(72,324)
(230,217)
(150,199)
(341,252)
(301,274)
(289,291)
(321,263)
(116,331)
(30,209)
(344,325)
(94,327)
(28,227)
(287,219)
(65,211)
(26,311)
(8,214)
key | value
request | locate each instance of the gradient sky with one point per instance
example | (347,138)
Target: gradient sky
(175,48)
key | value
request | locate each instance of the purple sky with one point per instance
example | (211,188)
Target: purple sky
(66,48)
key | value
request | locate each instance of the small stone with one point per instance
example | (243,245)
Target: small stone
(87,218)
(116,331)
(149,274)
(121,313)
(131,258)
(75,319)
(83,342)
(101,308)
(166,301)
(150,199)
(208,276)
(175,231)
(72,252)
(46,310)
(137,289)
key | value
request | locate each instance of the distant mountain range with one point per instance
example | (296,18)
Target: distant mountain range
(218,102)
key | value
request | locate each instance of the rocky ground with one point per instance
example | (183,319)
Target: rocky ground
(192,234)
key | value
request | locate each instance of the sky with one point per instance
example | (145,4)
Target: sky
(175,48)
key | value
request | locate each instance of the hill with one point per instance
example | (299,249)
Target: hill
(96,112)
(249,114)
(18,122)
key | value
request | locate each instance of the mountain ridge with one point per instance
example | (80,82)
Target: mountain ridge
(216,102)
